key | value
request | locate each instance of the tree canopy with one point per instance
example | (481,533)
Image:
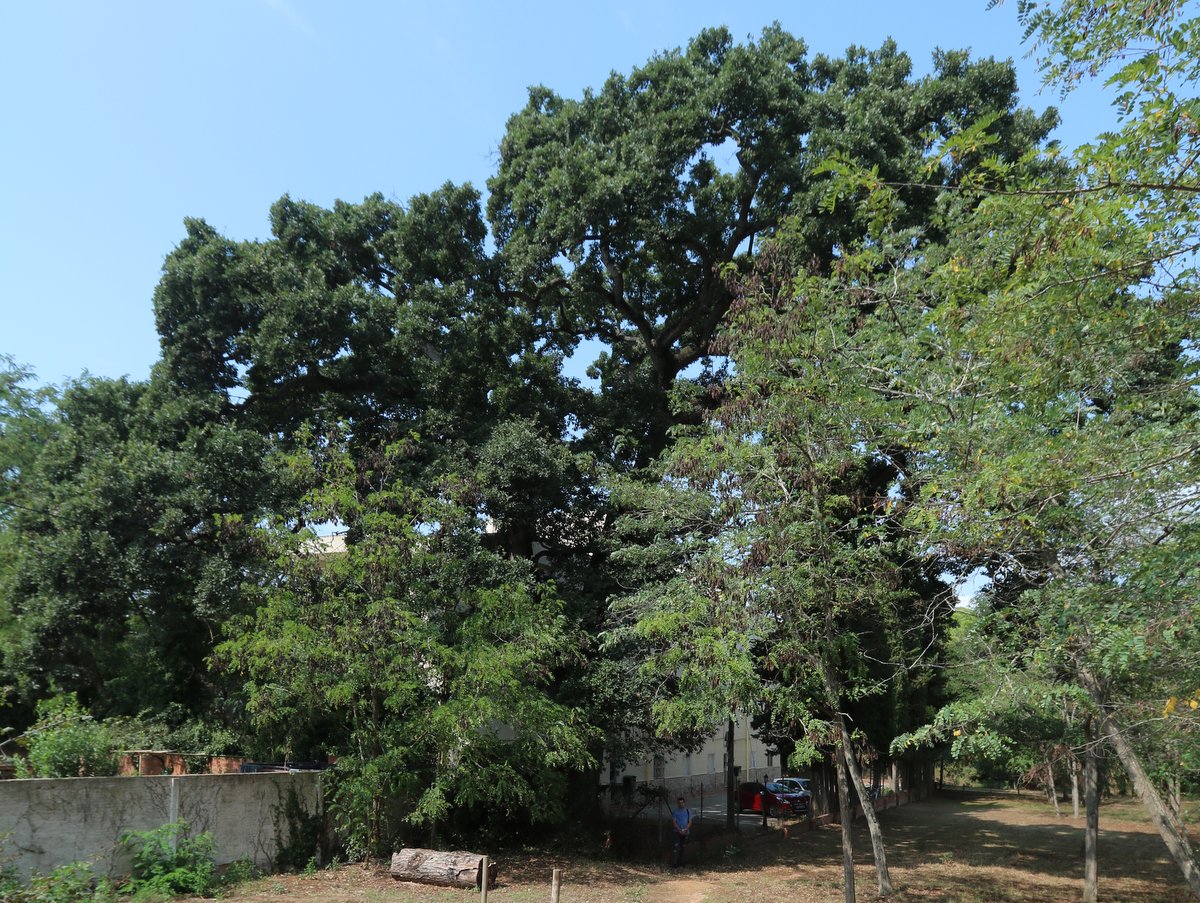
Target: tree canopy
(864,332)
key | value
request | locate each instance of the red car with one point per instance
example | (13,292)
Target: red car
(779,800)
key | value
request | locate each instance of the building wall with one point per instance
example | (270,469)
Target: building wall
(703,768)
(45,823)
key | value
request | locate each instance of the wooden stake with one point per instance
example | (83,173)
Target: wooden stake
(483,884)
(555,885)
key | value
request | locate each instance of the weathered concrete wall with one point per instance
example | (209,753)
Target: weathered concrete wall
(47,823)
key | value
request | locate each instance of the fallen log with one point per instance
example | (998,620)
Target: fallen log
(455,869)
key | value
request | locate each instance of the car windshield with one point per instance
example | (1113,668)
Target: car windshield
(779,788)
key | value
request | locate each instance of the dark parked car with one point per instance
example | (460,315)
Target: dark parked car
(779,799)
(802,790)
(797,785)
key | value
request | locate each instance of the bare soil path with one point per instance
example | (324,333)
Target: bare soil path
(945,850)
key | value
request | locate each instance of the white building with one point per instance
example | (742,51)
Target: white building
(705,768)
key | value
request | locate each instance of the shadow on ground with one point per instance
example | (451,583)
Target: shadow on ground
(955,849)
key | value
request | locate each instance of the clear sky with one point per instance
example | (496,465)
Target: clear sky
(120,118)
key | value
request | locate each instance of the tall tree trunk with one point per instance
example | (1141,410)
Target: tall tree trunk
(833,686)
(1091,800)
(847,818)
(730,782)
(1073,761)
(1171,831)
(881,868)
(1050,788)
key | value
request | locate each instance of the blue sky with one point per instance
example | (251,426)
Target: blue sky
(118,119)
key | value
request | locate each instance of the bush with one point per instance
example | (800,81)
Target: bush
(66,742)
(70,883)
(168,861)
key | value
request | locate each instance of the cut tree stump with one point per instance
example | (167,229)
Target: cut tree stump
(456,869)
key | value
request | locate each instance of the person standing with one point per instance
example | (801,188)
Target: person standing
(681,820)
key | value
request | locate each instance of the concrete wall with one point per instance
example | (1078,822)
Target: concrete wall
(47,823)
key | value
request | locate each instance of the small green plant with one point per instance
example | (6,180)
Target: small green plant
(239,871)
(70,883)
(168,861)
(11,887)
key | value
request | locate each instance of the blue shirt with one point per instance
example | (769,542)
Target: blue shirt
(683,818)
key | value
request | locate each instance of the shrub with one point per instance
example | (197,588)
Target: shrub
(239,871)
(70,883)
(66,742)
(168,861)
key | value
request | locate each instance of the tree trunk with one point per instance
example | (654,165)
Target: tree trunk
(730,784)
(1073,761)
(456,869)
(881,868)
(847,826)
(833,686)
(1050,788)
(1091,800)
(1171,831)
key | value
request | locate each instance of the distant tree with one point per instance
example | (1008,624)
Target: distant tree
(126,555)
(24,427)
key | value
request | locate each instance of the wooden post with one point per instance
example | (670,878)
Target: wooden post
(483,880)
(555,885)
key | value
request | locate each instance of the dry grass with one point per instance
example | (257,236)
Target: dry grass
(971,850)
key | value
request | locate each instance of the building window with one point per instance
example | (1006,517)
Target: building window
(614,773)
(660,768)
(712,763)
(687,764)
(753,759)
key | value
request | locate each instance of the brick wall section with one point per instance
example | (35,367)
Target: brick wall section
(48,823)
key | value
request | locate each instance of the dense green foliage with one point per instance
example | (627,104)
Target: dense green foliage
(170,861)
(66,742)
(864,332)
(421,659)
(167,862)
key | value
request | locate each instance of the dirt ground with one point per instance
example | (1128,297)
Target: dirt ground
(945,850)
